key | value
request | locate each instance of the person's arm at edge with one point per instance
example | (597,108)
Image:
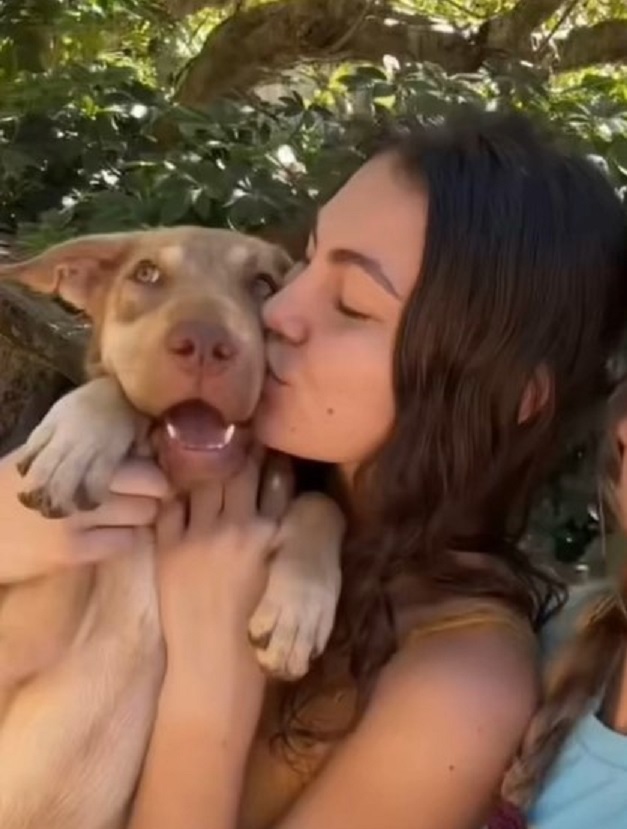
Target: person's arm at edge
(32,546)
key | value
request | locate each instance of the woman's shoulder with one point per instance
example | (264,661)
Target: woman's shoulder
(453,707)
(464,616)
(479,660)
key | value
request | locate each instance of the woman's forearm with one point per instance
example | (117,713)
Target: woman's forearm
(194,769)
(192,775)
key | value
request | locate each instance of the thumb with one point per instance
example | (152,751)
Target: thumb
(277,486)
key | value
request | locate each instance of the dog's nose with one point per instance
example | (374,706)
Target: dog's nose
(196,344)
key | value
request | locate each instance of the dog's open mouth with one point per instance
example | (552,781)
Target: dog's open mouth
(195,443)
(197,427)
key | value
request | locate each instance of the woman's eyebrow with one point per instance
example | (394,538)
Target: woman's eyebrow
(368,264)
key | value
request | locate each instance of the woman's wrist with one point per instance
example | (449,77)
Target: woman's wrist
(199,749)
(223,653)
(223,696)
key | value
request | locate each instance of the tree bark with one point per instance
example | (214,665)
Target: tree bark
(27,390)
(262,42)
(606,42)
(179,9)
(510,33)
(44,331)
(41,354)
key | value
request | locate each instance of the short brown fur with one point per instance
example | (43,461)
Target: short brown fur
(81,654)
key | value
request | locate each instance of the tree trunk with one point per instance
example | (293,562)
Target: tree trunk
(41,353)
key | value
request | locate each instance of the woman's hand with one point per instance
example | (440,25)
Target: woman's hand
(33,546)
(212,569)
(212,566)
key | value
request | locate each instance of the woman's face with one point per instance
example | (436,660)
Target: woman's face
(331,330)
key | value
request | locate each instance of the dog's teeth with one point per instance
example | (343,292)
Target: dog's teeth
(174,433)
(228,435)
(197,426)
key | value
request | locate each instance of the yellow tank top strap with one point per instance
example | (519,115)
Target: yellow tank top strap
(488,614)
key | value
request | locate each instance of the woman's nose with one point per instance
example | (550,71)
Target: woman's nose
(283,316)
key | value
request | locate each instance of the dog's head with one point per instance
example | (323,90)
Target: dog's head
(176,319)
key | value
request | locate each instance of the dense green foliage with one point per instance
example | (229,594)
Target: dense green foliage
(92,137)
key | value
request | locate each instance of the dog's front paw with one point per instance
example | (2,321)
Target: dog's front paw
(69,459)
(293,622)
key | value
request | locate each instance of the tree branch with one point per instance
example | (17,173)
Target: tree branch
(264,41)
(510,32)
(42,331)
(605,42)
(180,9)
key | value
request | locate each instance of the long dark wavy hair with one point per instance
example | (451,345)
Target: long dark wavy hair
(522,291)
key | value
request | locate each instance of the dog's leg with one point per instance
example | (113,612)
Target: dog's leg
(294,619)
(71,456)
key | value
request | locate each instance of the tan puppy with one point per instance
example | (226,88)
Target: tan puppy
(178,363)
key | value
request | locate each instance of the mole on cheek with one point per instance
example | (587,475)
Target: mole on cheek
(330,412)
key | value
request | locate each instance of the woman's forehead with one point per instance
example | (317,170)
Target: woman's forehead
(380,214)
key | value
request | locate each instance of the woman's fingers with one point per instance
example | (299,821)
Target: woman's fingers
(240,491)
(205,505)
(171,523)
(118,511)
(101,543)
(233,501)
(140,476)
(277,486)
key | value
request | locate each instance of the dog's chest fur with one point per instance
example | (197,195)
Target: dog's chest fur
(73,735)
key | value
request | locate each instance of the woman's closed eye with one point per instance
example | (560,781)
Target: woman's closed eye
(347,311)
(343,305)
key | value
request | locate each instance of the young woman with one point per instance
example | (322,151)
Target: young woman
(457,304)
(572,770)
(454,311)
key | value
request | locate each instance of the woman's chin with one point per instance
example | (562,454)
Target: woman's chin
(276,432)
(266,427)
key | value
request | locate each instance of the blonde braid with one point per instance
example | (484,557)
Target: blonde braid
(576,677)
(581,670)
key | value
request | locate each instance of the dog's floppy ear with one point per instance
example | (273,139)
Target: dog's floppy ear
(77,271)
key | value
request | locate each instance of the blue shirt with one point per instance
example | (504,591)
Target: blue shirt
(587,788)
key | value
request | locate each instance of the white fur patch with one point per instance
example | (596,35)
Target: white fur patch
(172,257)
(238,255)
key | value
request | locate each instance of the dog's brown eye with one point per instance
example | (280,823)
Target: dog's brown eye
(146,273)
(263,286)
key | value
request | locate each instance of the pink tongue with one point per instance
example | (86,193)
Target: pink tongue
(196,425)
